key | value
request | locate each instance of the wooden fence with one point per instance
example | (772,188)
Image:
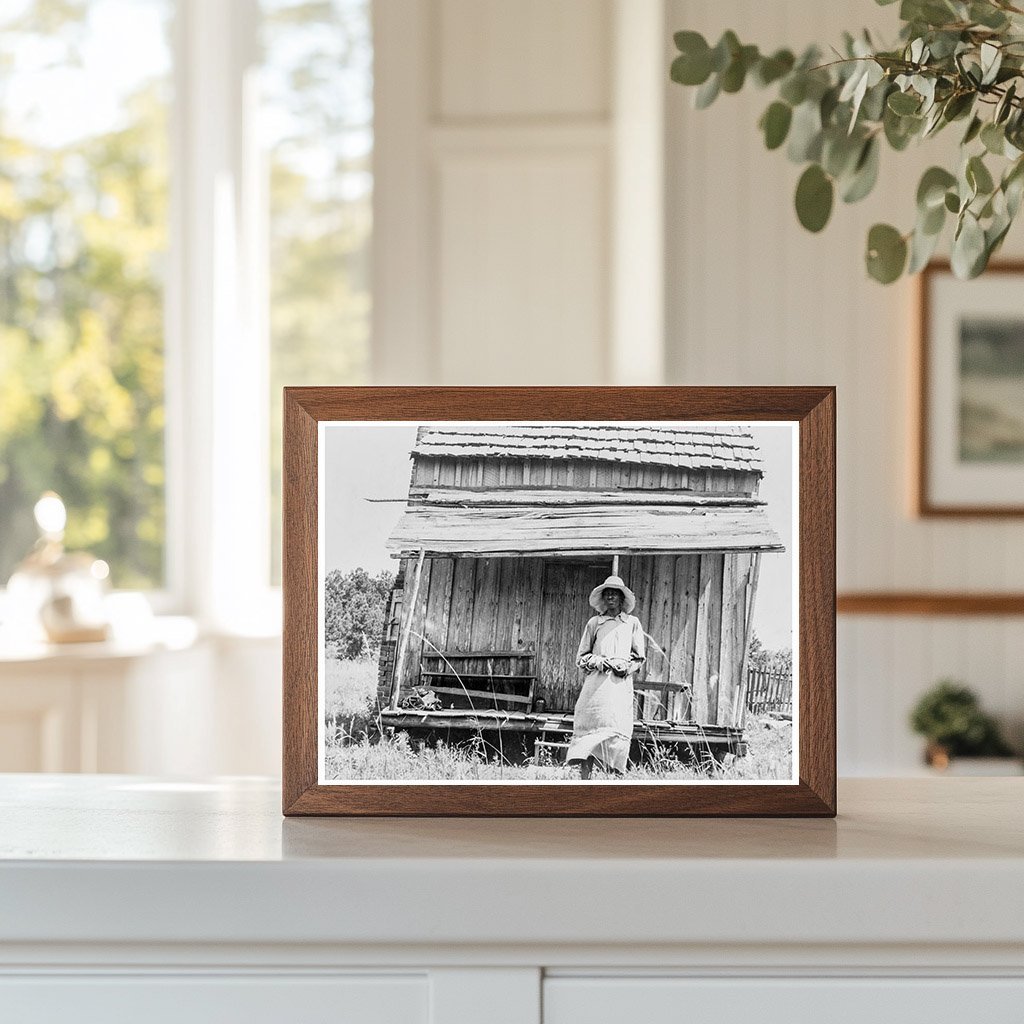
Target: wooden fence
(769,692)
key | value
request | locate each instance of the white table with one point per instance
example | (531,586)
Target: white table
(198,902)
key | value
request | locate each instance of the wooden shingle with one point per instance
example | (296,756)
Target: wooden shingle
(692,447)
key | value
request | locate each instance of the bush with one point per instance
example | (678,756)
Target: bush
(763,659)
(355,604)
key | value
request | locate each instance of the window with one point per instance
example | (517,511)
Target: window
(185,220)
(83,236)
(317,122)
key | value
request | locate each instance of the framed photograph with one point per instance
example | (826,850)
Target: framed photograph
(559,601)
(970,450)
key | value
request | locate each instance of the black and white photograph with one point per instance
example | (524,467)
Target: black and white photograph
(528,602)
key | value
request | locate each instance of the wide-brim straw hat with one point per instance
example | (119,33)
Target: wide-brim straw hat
(614,582)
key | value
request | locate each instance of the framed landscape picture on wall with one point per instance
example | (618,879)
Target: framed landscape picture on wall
(582,601)
(970,450)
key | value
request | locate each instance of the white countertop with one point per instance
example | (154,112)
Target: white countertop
(122,859)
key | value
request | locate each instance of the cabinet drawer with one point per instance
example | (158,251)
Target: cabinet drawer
(223,999)
(576,1000)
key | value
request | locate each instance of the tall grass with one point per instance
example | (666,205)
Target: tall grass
(395,757)
(350,694)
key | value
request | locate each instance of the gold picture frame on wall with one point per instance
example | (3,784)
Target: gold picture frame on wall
(970,393)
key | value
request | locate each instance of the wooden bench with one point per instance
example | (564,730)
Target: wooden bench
(496,680)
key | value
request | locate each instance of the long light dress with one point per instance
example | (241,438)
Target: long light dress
(603,719)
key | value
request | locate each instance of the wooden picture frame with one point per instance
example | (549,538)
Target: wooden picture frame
(953,476)
(811,792)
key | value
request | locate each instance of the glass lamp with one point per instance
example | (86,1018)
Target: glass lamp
(55,595)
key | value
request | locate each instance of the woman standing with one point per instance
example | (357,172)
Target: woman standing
(611,652)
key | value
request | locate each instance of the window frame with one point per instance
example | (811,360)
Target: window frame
(217,345)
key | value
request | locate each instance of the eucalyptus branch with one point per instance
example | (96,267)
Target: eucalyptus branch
(955,61)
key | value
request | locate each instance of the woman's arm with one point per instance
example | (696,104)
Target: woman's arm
(586,645)
(638,648)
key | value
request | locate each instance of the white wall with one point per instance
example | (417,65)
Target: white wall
(506,132)
(754,299)
(551,210)
(508,252)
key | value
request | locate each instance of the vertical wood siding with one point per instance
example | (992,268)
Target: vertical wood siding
(430,472)
(694,609)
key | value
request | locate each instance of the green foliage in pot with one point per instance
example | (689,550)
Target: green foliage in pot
(957,62)
(950,717)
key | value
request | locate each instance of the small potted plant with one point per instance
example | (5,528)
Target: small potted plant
(950,718)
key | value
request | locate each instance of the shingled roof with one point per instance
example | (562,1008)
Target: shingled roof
(714,446)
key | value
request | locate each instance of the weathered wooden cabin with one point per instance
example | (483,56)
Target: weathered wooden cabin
(507,530)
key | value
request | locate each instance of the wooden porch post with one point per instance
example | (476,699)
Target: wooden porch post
(615,565)
(740,712)
(403,643)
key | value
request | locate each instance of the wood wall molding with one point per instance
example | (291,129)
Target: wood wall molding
(928,603)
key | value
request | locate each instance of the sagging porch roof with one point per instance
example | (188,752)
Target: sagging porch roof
(581,529)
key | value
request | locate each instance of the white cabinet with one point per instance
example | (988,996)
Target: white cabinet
(174,705)
(202,999)
(127,899)
(101,707)
(824,1000)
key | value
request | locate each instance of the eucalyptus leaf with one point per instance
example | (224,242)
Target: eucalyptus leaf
(935,121)
(735,74)
(944,44)
(794,88)
(978,176)
(775,124)
(904,103)
(931,190)
(805,133)
(1014,191)
(688,42)
(873,106)
(922,248)
(840,152)
(828,105)
(1013,187)
(973,130)
(707,93)
(865,173)
(724,51)
(958,105)
(968,247)
(1005,105)
(930,12)
(987,15)
(991,60)
(814,195)
(932,221)
(925,87)
(771,69)
(886,253)
(993,138)
(900,130)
